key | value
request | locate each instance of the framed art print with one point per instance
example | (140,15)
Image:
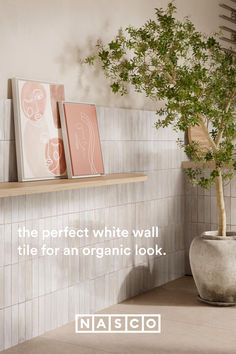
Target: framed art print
(39,144)
(81,139)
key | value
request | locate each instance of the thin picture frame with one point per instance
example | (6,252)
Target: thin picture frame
(38,135)
(74,160)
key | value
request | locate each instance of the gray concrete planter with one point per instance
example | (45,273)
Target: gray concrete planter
(213,264)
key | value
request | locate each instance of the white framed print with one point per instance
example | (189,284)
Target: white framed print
(81,139)
(39,144)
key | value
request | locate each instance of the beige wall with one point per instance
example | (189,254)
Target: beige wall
(44,40)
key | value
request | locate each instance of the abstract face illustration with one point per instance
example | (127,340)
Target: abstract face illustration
(33,100)
(85,140)
(39,134)
(55,156)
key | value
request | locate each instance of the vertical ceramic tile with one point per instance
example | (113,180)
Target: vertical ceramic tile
(7,286)
(14,325)
(99,287)
(21,327)
(53,310)
(41,315)
(48,312)
(1,287)
(28,280)
(15,285)
(21,282)
(7,244)
(18,208)
(2,157)
(1,202)
(35,320)
(41,275)
(2,119)
(28,319)
(7,327)
(14,242)
(233,211)
(84,299)
(2,238)
(1,330)
(7,210)
(64,296)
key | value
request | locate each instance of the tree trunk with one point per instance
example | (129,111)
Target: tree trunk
(220,206)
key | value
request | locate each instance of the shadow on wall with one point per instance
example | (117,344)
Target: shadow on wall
(177,293)
(90,82)
(138,280)
(9,90)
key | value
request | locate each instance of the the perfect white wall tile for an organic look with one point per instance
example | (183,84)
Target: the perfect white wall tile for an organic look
(40,293)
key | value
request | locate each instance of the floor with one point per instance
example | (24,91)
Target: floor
(188,327)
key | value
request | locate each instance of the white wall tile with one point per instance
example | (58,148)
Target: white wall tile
(41,314)
(48,291)
(2,239)
(15,283)
(35,314)
(7,244)
(28,319)
(7,286)
(1,287)
(2,329)
(14,325)
(21,282)
(7,327)
(2,119)
(22,318)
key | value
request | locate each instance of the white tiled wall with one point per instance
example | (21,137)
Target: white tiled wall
(41,293)
(201,212)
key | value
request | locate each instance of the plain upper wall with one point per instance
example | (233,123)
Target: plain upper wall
(45,40)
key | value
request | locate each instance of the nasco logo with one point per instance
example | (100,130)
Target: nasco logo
(117,323)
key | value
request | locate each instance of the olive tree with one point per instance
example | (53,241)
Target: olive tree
(170,61)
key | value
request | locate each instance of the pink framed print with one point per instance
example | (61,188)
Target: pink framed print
(81,139)
(39,144)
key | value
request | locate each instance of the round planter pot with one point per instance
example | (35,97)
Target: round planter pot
(213,265)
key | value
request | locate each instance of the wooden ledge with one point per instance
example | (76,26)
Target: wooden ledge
(10,189)
(195,164)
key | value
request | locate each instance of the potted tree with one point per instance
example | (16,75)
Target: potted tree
(170,61)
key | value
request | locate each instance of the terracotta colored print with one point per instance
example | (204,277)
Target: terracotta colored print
(83,139)
(57,94)
(33,100)
(55,156)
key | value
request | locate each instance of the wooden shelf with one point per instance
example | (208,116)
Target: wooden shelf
(210,165)
(10,189)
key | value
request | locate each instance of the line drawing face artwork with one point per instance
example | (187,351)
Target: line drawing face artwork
(33,100)
(83,147)
(39,141)
(55,156)
(86,143)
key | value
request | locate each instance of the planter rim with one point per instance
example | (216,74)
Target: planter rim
(213,235)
